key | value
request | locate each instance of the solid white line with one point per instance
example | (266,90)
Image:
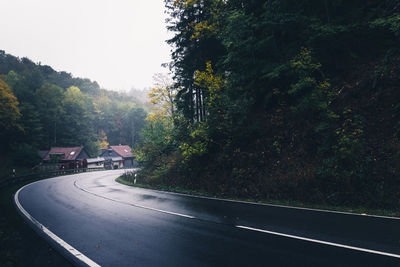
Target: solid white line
(135,205)
(255,229)
(262,204)
(68,248)
(320,242)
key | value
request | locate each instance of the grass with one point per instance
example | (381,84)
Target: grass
(19,244)
(357,210)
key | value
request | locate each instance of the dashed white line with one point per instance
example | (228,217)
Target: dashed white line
(320,241)
(135,205)
(255,229)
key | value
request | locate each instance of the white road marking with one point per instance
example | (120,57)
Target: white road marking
(134,205)
(251,228)
(320,241)
(262,204)
(82,259)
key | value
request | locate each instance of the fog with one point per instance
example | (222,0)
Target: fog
(119,43)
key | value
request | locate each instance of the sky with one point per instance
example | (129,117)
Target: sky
(118,43)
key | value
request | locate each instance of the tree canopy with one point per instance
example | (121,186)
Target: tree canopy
(41,108)
(9,110)
(282,99)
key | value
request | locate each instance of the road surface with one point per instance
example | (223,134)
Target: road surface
(106,223)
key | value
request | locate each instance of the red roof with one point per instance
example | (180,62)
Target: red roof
(67,153)
(123,151)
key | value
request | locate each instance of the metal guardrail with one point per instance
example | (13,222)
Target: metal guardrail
(38,175)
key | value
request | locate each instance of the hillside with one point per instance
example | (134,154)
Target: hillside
(41,107)
(283,100)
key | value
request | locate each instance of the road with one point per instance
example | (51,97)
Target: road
(111,224)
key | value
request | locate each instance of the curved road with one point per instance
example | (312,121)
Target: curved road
(111,224)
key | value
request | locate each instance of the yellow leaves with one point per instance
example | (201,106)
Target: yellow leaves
(155,116)
(73,91)
(9,111)
(162,96)
(207,79)
(204,30)
(104,144)
(196,148)
(73,95)
(324,85)
(304,61)
(103,139)
(198,144)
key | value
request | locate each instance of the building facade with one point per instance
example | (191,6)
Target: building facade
(118,157)
(64,158)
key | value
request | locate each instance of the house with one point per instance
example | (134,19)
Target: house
(95,163)
(118,157)
(65,158)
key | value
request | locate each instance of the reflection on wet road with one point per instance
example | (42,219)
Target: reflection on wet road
(117,225)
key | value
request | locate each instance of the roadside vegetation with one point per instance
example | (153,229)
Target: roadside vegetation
(19,244)
(128,179)
(293,101)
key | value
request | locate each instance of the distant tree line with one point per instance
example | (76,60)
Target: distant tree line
(40,108)
(281,99)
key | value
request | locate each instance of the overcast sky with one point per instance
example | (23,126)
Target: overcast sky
(118,43)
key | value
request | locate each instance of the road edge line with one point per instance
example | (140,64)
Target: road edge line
(262,204)
(327,243)
(69,252)
(371,251)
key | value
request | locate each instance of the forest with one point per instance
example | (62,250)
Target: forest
(41,108)
(282,100)
(270,100)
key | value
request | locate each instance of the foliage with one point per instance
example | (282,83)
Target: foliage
(274,100)
(42,108)
(103,139)
(162,96)
(25,155)
(9,110)
(391,23)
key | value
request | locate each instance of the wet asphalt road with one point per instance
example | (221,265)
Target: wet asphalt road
(117,225)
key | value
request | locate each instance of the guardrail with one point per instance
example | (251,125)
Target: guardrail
(49,174)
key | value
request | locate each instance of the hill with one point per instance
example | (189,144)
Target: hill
(41,107)
(284,100)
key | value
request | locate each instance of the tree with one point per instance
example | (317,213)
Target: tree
(162,95)
(32,126)
(78,121)
(196,27)
(9,110)
(11,78)
(157,133)
(103,139)
(133,122)
(48,101)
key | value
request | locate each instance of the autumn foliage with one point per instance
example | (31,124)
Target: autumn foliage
(284,99)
